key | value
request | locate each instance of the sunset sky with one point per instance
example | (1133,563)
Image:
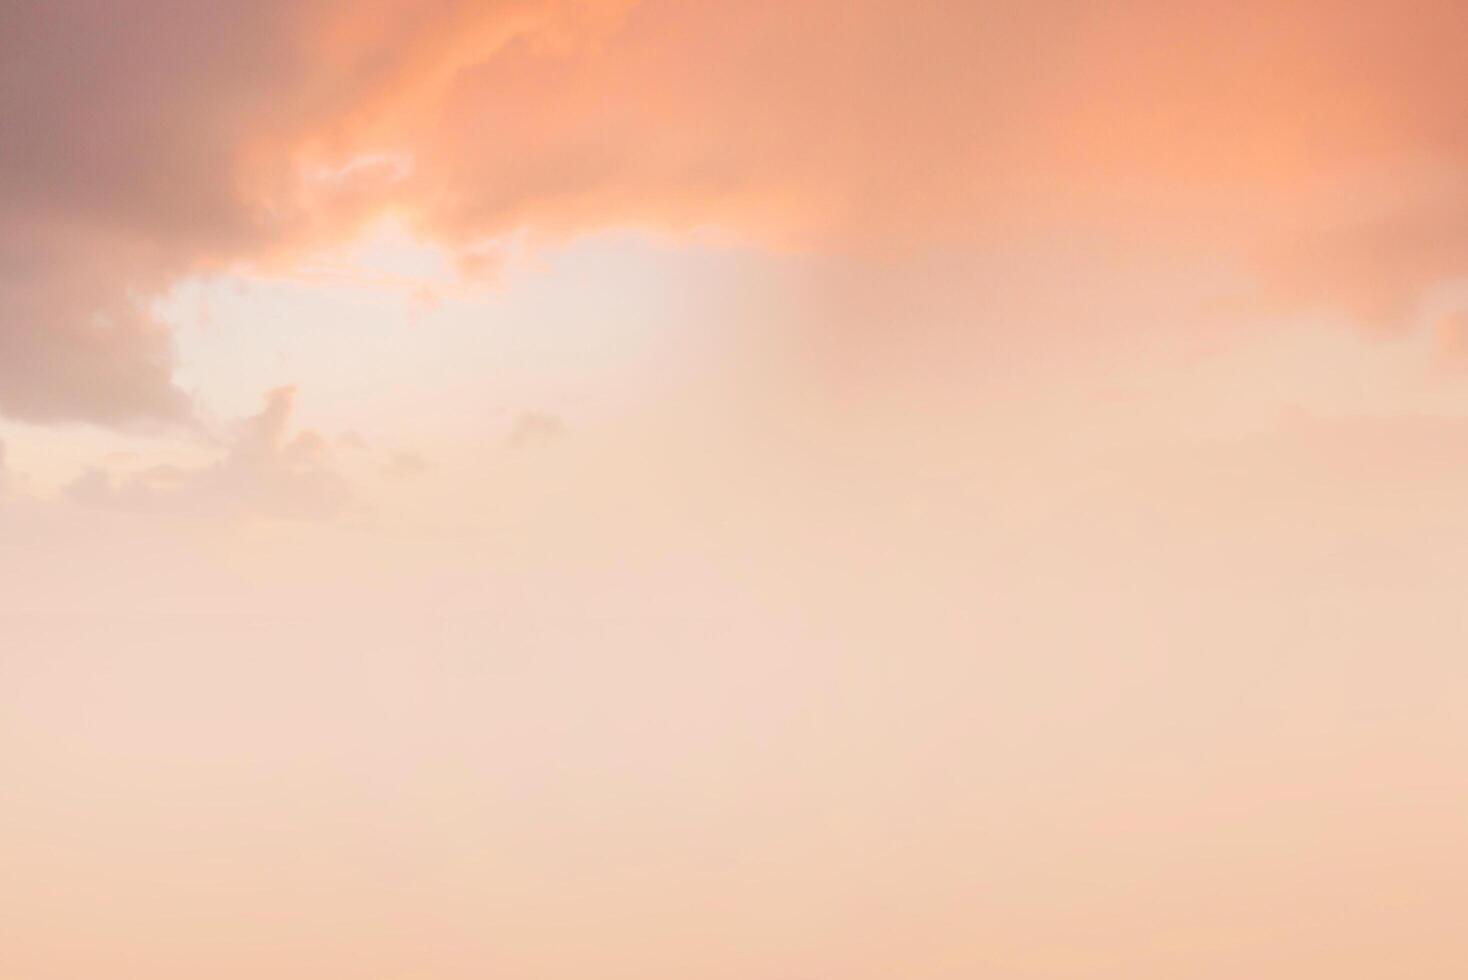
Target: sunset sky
(733,489)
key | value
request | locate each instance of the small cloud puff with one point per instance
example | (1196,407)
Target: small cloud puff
(533,430)
(406,464)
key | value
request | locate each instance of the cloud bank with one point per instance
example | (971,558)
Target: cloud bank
(266,472)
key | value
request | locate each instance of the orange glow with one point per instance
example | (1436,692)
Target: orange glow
(688,490)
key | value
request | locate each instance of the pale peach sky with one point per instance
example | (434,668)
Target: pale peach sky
(687,490)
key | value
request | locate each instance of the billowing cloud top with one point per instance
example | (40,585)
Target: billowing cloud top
(1321,142)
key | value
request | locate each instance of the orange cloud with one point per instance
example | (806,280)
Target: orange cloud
(148,143)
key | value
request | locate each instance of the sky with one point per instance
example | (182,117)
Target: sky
(687,490)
